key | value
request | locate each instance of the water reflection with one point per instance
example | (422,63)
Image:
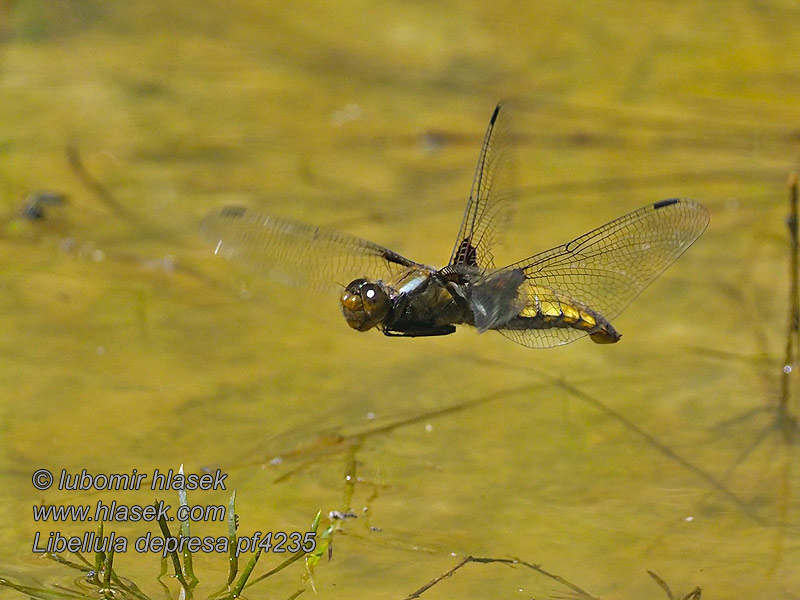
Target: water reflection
(126,345)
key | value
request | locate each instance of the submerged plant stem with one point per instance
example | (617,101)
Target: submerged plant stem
(793,329)
(506,561)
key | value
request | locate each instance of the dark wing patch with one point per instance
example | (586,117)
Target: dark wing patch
(466,254)
(296,253)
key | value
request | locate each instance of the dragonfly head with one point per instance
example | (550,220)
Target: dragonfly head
(365,304)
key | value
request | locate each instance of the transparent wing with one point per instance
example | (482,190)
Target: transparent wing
(491,199)
(298,254)
(605,269)
(543,338)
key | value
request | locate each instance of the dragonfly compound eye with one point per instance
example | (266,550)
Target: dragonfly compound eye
(376,301)
(364,304)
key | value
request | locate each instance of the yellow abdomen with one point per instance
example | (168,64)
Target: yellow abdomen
(543,310)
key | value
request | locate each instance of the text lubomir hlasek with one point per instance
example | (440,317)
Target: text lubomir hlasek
(134,480)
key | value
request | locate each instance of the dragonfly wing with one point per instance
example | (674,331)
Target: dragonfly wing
(543,338)
(605,269)
(491,199)
(296,253)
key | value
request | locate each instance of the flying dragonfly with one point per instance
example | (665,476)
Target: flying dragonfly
(548,299)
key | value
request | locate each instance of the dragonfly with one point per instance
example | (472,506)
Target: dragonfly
(549,299)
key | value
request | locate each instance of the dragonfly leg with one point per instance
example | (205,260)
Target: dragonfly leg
(422,332)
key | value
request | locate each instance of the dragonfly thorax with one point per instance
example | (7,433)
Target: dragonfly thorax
(365,304)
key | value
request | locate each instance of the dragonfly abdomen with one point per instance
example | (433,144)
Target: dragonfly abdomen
(555,313)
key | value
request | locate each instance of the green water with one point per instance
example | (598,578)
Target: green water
(126,344)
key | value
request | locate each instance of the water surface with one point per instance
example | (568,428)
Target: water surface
(127,344)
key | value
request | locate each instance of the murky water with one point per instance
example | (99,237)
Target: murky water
(126,344)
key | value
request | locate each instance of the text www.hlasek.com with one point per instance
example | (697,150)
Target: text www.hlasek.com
(125,513)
